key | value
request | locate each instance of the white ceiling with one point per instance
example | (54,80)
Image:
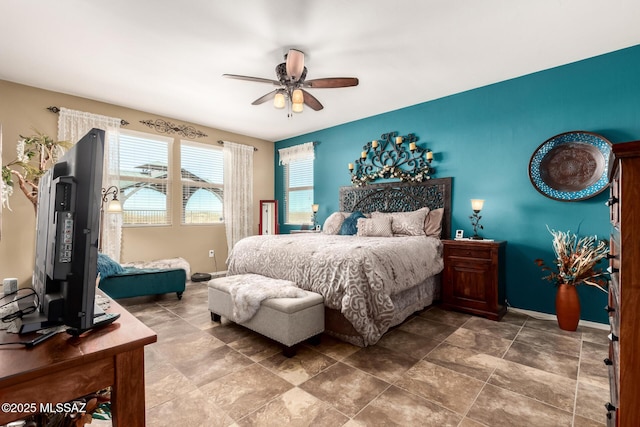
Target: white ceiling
(166,57)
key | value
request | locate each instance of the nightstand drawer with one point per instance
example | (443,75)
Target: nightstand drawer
(469,252)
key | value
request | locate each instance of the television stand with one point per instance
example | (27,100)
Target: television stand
(34,322)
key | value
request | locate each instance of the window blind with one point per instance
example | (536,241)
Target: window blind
(145,178)
(201,170)
(299,191)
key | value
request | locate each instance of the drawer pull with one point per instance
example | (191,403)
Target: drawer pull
(609,407)
(611,256)
(608,362)
(612,201)
(609,309)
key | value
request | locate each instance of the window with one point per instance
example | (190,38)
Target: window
(201,170)
(298,175)
(144,178)
(298,182)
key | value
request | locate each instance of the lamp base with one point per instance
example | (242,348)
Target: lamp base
(477,238)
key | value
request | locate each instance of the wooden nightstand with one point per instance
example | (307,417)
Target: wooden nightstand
(473,279)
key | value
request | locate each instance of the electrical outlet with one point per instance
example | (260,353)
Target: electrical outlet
(212,253)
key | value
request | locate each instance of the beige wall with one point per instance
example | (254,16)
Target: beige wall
(23,109)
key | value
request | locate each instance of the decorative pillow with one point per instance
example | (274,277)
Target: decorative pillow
(406,223)
(350,224)
(108,267)
(375,227)
(333,223)
(433,223)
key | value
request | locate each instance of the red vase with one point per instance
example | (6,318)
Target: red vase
(567,307)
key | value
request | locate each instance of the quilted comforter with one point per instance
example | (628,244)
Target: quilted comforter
(356,275)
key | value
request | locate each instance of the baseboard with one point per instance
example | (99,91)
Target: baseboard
(547,316)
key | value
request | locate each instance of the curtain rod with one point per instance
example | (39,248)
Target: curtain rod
(56,110)
(222,143)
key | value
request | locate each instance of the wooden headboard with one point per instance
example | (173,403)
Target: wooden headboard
(400,197)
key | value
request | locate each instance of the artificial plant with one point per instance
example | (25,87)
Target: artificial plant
(35,155)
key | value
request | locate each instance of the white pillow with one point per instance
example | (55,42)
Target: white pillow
(375,227)
(333,223)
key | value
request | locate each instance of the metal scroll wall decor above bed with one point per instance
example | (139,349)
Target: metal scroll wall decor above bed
(392,156)
(400,197)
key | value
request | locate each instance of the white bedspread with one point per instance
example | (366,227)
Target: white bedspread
(356,275)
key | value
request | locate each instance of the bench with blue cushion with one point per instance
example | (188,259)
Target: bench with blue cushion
(126,282)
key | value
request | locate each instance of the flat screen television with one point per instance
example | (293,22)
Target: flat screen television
(68,227)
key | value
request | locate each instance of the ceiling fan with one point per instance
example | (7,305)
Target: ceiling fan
(292,84)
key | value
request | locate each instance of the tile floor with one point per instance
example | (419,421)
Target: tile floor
(439,368)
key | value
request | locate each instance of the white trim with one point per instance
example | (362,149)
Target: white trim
(547,316)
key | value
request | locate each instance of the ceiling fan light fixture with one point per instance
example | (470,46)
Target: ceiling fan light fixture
(292,84)
(297,107)
(297,97)
(295,64)
(279,101)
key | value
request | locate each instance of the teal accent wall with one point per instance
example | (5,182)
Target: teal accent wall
(484,139)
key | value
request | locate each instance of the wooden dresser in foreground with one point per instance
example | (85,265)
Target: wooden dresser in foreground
(473,279)
(66,367)
(624,288)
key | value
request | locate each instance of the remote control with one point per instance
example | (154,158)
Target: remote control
(105,319)
(41,338)
(98,321)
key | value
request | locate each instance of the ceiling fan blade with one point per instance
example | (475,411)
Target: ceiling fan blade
(265,98)
(331,82)
(311,101)
(252,79)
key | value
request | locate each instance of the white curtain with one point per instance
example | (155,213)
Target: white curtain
(73,125)
(238,192)
(2,194)
(296,152)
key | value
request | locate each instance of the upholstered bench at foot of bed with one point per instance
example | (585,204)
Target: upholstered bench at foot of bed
(286,320)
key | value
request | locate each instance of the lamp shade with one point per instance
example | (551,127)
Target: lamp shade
(295,64)
(114,206)
(297,107)
(315,207)
(477,204)
(279,100)
(297,97)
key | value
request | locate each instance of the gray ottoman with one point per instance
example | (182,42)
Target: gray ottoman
(286,320)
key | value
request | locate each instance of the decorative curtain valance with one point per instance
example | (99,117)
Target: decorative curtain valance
(297,152)
(73,124)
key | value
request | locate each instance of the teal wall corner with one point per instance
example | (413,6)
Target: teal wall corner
(484,139)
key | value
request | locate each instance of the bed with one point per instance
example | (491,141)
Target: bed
(369,284)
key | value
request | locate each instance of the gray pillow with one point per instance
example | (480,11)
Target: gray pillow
(406,223)
(433,223)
